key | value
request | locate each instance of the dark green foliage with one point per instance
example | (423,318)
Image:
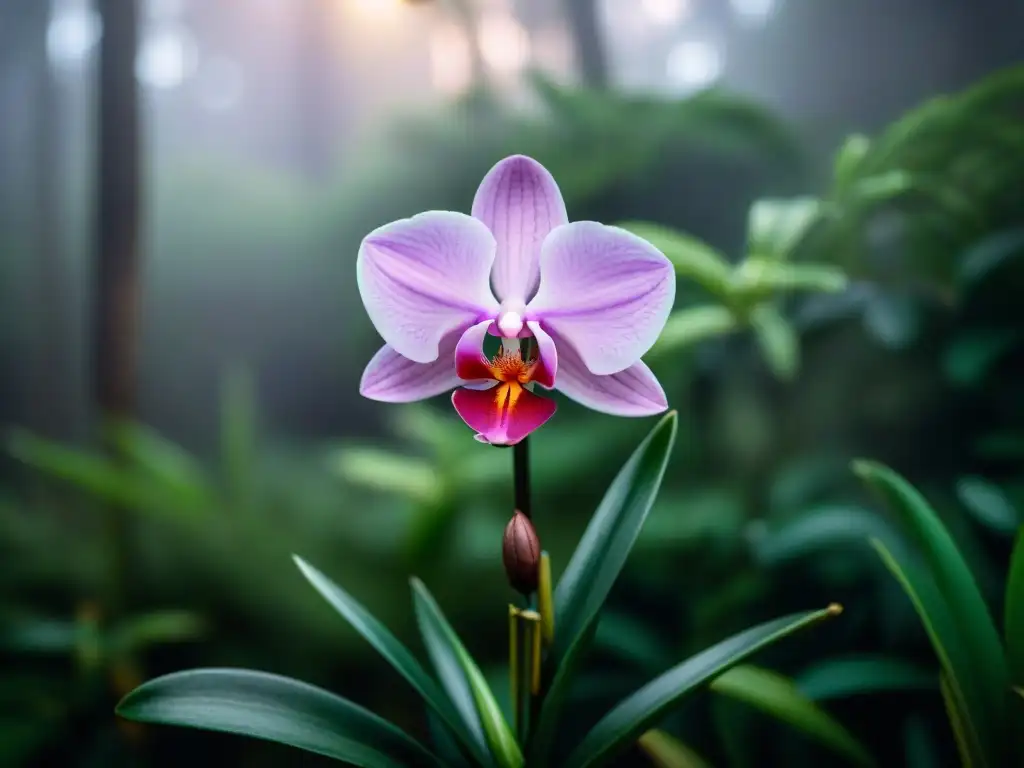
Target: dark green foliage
(878,315)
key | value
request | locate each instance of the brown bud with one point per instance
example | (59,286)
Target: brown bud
(521,553)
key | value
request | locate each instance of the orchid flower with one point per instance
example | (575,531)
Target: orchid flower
(588,299)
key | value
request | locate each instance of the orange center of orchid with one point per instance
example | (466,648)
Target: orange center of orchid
(512,372)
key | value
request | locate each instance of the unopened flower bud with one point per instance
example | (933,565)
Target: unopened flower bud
(521,553)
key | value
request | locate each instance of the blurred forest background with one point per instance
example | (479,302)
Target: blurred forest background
(271,135)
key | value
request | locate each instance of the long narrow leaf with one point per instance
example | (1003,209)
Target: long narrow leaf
(278,709)
(985,660)
(596,564)
(645,707)
(396,654)
(843,677)
(941,630)
(1013,615)
(463,680)
(102,477)
(777,696)
(776,226)
(778,341)
(668,752)
(956,721)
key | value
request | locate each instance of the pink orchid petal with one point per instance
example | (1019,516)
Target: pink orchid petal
(391,378)
(520,202)
(605,291)
(547,367)
(486,412)
(632,392)
(470,361)
(424,277)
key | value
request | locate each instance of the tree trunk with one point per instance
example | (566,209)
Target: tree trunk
(115,329)
(585,28)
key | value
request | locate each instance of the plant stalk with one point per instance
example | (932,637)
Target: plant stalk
(521,476)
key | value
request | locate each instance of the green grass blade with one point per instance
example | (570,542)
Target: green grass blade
(601,553)
(666,751)
(639,711)
(984,660)
(1013,613)
(278,709)
(778,341)
(596,564)
(776,226)
(777,696)
(850,676)
(463,680)
(100,476)
(956,721)
(396,654)
(941,629)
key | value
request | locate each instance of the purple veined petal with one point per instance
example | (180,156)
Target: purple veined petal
(605,291)
(391,378)
(521,203)
(424,277)
(495,419)
(547,368)
(632,392)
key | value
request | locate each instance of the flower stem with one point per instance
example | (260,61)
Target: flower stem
(521,476)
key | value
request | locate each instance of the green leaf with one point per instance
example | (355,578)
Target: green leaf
(463,679)
(1013,613)
(971,356)
(100,476)
(389,472)
(596,564)
(39,635)
(167,463)
(983,662)
(938,623)
(635,714)
(668,752)
(449,750)
(880,188)
(776,227)
(138,632)
(779,697)
(990,253)
(825,528)
(608,539)
(848,160)
(691,257)
(956,720)
(778,341)
(278,709)
(988,503)
(396,654)
(843,677)
(759,278)
(686,327)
